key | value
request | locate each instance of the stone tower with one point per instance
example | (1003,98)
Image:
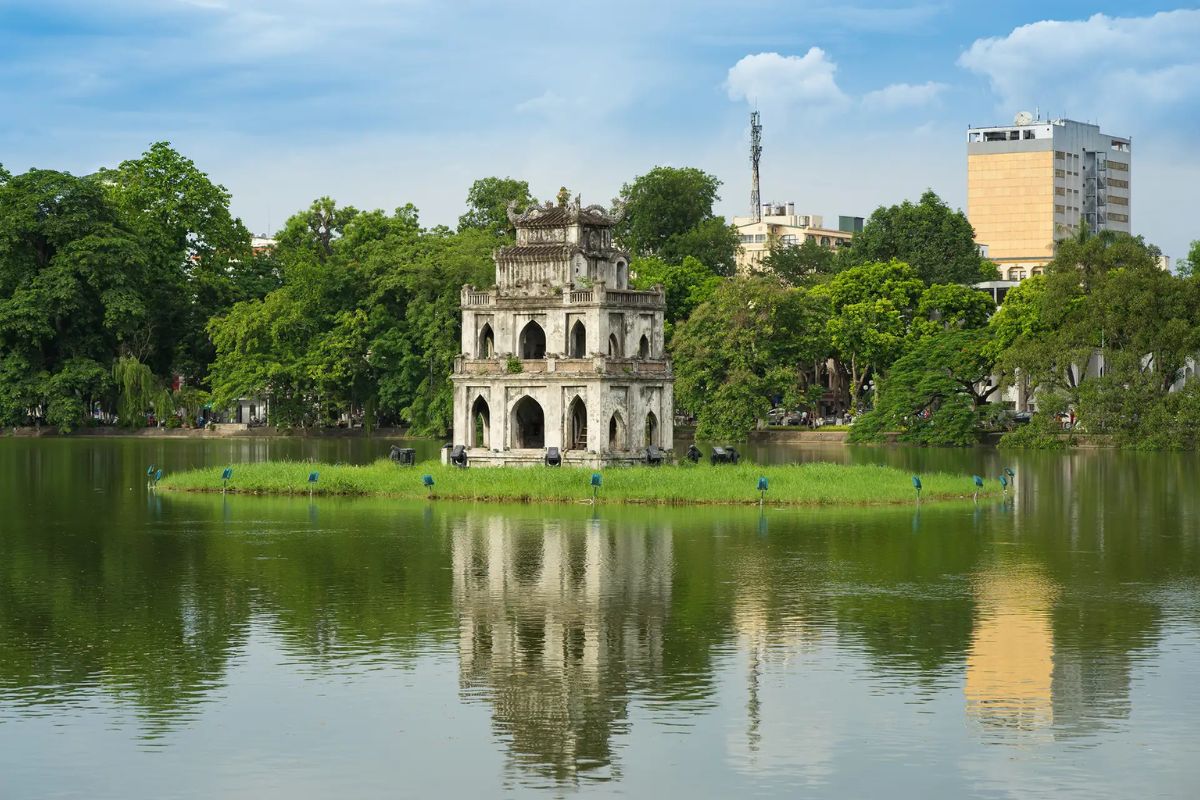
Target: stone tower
(562,353)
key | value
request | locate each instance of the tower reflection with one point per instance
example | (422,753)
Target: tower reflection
(558,620)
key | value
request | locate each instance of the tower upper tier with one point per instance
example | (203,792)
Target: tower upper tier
(561,245)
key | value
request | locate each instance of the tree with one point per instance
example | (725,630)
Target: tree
(139,391)
(871,307)
(687,285)
(800,264)
(933,393)
(1106,333)
(1189,267)
(316,229)
(669,214)
(950,306)
(937,242)
(746,345)
(73,294)
(197,257)
(487,204)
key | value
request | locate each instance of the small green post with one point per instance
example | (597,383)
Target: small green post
(916,479)
(762,490)
(595,486)
(428,481)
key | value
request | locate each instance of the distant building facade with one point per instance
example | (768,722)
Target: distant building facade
(562,353)
(778,225)
(1035,182)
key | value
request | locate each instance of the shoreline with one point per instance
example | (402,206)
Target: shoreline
(813,485)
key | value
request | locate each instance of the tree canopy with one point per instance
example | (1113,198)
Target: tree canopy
(669,215)
(937,242)
(487,204)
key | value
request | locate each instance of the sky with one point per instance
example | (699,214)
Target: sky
(379,103)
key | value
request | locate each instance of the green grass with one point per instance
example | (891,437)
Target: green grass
(814,484)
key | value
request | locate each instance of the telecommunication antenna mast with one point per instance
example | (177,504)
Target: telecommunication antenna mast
(755,153)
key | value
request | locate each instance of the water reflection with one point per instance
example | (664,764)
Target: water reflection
(1010,664)
(556,620)
(577,644)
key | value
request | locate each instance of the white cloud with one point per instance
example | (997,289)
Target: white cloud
(899,96)
(1101,66)
(770,79)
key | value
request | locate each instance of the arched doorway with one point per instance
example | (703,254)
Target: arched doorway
(577,425)
(622,275)
(528,425)
(644,348)
(533,341)
(616,432)
(614,346)
(481,423)
(651,430)
(487,342)
(578,347)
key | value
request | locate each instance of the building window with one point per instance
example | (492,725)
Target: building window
(1118,183)
(1058,190)
(1121,147)
(1059,155)
(1118,166)
(1116,200)
(1117,217)
(1060,210)
(1060,173)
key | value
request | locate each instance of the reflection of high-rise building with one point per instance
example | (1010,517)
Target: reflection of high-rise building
(556,618)
(1011,662)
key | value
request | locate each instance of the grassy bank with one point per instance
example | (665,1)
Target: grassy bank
(816,484)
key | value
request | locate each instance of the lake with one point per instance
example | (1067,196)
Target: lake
(155,645)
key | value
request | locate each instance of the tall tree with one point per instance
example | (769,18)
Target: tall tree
(871,307)
(73,293)
(938,242)
(745,346)
(487,204)
(198,256)
(669,214)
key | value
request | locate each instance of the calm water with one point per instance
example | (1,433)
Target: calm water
(185,647)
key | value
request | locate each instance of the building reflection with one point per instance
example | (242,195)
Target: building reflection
(1010,666)
(558,618)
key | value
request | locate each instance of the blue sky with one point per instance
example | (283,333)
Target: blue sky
(382,103)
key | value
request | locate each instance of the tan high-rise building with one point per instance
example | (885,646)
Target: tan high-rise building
(1036,182)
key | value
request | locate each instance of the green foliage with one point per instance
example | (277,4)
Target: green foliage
(687,284)
(138,391)
(1189,266)
(871,307)
(741,348)
(938,242)
(669,214)
(930,395)
(513,366)
(372,324)
(487,204)
(802,264)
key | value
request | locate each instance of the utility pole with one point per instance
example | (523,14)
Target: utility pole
(755,154)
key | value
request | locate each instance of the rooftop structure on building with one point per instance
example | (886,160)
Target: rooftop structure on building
(1035,182)
(562,354)
(778,225)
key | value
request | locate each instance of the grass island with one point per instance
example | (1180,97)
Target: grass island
(812,484)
